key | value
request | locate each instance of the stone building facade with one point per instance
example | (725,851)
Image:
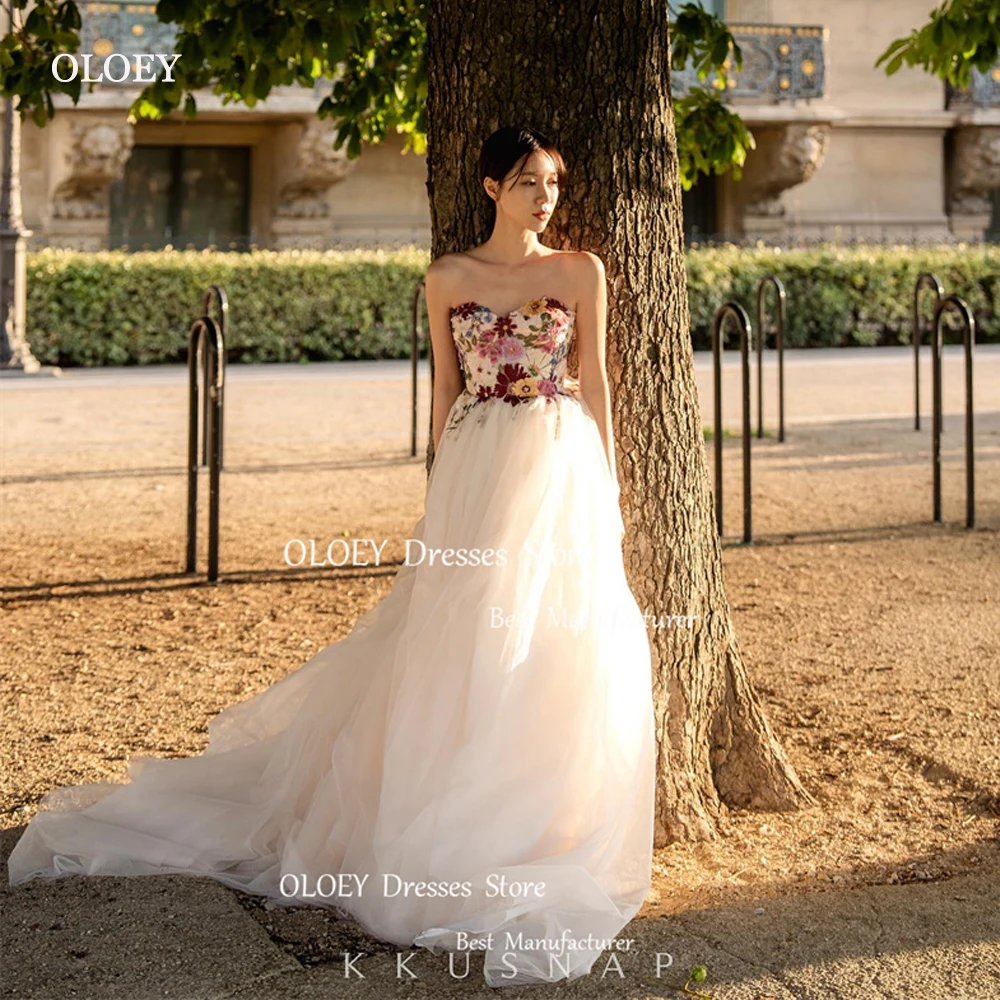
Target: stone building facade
(842,151)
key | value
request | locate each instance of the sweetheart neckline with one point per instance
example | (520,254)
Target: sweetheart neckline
(548,299)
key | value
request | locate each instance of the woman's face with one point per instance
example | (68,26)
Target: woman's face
(531,200)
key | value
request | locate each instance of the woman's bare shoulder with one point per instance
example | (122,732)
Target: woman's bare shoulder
(582,267)
(587,261)
(585,273)
(444,273)
(446,262)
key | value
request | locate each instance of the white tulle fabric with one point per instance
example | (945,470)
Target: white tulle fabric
(430,745)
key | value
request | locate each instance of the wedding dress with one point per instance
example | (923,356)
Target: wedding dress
(488,725)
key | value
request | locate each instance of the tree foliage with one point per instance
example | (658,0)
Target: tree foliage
(960,35)
(710,137)
(373,52)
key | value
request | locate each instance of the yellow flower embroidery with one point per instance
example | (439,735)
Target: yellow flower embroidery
(523,388)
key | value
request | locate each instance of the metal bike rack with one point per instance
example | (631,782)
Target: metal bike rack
(770,279)
(930,279)
(218,293)
(746,332)
(968,339)
(214,371)
(415,333)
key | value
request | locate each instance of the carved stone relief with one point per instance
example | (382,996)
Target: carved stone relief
(318,166)
(974,170)
(95,156)
(785,156)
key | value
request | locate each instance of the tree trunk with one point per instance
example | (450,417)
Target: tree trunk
(595,77)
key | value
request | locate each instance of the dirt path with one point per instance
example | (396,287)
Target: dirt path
(872,635)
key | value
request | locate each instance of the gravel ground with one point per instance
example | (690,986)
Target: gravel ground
(871,634)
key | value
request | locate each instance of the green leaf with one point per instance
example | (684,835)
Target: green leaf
(948,34)
(899,43)
(262,85)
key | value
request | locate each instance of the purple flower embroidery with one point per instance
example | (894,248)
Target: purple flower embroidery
(490,350)
(546,341)
(511,349)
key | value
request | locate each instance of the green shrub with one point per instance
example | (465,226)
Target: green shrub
(844,296)
(115,308)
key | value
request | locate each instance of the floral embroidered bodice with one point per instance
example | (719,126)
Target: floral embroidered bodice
(514,356)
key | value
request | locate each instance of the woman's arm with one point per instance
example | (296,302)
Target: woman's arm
(591,335)
(448,381)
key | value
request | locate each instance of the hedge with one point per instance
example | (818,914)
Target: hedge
(116,308)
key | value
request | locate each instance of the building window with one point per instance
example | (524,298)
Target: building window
(183,196)
(699,204)
(698,207)
(993,232)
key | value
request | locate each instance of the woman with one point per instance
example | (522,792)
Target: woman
(471,768)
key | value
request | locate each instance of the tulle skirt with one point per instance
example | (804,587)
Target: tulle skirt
(470,769)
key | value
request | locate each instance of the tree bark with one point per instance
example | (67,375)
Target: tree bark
(595,77)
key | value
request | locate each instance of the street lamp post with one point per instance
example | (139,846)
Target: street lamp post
(15,353)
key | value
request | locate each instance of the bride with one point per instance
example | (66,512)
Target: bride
(471,768)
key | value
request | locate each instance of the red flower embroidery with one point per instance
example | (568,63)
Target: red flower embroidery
(506,377)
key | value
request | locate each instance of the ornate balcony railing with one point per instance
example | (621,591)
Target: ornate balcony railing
(983,90)
(128,28)
(781,62)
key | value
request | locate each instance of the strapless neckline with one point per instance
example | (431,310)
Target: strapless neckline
(547,299)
